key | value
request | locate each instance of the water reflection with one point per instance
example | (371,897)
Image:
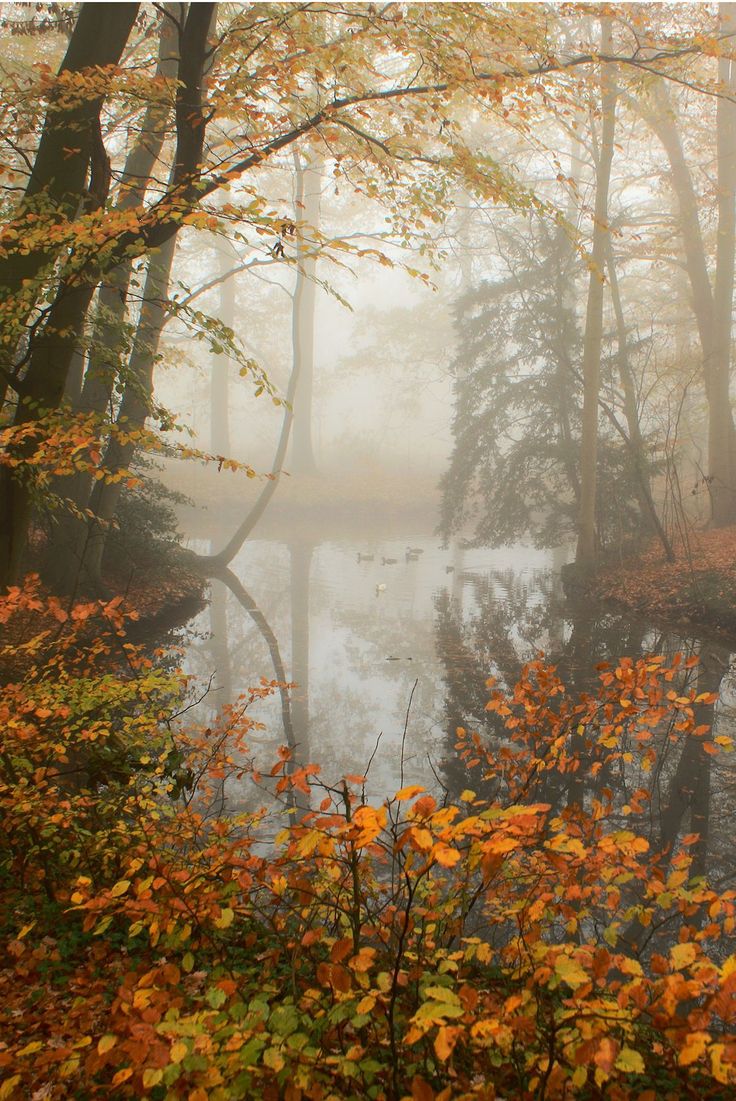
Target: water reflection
(504,623)
(357,626)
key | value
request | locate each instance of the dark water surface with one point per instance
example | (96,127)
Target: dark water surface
(396,654)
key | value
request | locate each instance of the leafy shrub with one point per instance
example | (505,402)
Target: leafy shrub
(469,948)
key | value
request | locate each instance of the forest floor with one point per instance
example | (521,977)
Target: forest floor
(157,596)
(161,596)
(698,589)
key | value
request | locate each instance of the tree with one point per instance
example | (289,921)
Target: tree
(712,295)
(587,545)
(52,346)
(390,134)
(515,467)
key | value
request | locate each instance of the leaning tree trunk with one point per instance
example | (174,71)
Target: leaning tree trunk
(221,560)
(585,558)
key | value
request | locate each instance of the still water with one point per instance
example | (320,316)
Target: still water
(390,644)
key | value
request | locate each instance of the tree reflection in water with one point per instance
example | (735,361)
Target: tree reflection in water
(499,620)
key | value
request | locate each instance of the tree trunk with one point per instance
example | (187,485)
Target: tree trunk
(721,443)
(48,368)
(712,310)
(585,558)
(635,443)
(134,408)
(108,339)
(190,130)
(308,189)
(70,145)
(65,150)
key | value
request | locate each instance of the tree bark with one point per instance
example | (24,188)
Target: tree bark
(635,442)
(712,308)
(63,156)
(585,558)
(108,341)
(308,187)
(721,441)
(134,409)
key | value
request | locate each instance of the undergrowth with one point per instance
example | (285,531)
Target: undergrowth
(530,944)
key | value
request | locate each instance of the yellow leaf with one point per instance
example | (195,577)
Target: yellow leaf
(571,972)
(421,839)
(729,967)
(8,1087)
(723,1073)
(120,888)
(105,1043)
(445,855)
(178,1051)
(29,1049)
(682,955)
(693,1048)
(442,994)
(225,919)
(442,1045)
(579,1077)
(630,1061)
(408,792)
(152,1076)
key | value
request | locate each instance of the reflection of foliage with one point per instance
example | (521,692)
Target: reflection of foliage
(391,950)
(503,630)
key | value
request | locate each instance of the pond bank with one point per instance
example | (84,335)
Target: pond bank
(697,590)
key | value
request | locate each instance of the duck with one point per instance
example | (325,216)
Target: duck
(449,569)
(410,556)
(365,557)
(415,550)
(389,561)
(380,589)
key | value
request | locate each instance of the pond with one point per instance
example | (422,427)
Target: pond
(390,644)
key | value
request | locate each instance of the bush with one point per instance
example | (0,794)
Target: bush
(146,530)
(473,948)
